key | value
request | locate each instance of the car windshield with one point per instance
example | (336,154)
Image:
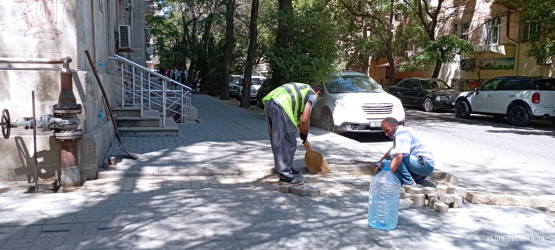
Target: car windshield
(256,81)
(352,84)
(434,84)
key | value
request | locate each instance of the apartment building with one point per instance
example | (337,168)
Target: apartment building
(500,43)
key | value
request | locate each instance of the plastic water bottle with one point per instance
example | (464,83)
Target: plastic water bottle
(383,201)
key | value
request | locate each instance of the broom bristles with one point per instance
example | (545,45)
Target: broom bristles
(315,162)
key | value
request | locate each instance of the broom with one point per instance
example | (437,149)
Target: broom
(314,161)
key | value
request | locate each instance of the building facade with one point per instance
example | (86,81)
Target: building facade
(500,43)
(38,31)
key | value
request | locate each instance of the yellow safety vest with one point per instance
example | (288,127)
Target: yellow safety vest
(292,98)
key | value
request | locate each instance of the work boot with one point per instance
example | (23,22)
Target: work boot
(296,181)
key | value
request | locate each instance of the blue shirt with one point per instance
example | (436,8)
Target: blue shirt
(406,141)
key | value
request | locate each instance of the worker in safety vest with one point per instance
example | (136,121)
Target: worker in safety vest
(287,108)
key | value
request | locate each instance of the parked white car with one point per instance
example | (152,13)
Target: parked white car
(354,102)
(256,82)
(519,98)
(234,85)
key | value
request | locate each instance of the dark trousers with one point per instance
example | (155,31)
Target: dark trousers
(283,138)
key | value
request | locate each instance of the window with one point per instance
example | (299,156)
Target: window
(531,32)
(493,31)
(490,85)
(461,30)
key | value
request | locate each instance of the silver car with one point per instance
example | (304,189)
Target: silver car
(354,102)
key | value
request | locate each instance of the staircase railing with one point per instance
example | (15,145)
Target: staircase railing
(138,85)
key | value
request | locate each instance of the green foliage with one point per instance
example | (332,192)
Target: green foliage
(310,54)
(537,11)
(441,49)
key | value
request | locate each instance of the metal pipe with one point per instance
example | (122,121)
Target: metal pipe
(67,109)
(31,60)
(133,94)
(149,83)
(164,104)
(141,95)
(35,145)
(122,85)
(182,105)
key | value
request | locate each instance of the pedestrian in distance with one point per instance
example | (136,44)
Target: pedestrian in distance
(184,75)
(411,160)
(287,110)
(178,75)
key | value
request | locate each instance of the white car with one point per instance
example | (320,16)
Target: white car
(520,98)
(354,102)
(256,82)
(234,84)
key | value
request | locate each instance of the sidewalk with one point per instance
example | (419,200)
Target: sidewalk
(212,187)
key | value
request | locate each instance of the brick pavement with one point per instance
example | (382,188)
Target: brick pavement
(218,212)
(204,190)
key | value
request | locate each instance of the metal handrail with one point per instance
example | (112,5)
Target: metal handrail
(137,83)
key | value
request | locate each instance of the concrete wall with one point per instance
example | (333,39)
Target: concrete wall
(55,29)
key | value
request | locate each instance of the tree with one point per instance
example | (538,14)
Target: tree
(253,37)
(442,50)
(431,17)
(538,12)
(379,14)
(228,48)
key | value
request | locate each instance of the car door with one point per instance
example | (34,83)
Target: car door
(411,94)
(505,93)
(399,90)
(482,100)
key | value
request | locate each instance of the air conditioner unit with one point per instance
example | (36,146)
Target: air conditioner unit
(544,61)
(124,38)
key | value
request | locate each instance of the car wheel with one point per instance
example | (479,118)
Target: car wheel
(518,116)
(462,110)
(327,121)
(553,120)
(428,105)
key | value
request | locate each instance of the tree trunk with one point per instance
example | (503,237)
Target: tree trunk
(437,68)
(228,49)
(282,36)
(391,61)
(253,36)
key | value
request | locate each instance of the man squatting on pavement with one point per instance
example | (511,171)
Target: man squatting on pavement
(287,108)
(411,160)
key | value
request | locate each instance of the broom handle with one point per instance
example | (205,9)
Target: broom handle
(307,146)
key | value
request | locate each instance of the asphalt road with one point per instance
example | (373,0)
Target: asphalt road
(482,151)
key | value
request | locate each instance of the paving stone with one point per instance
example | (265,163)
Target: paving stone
(428,190)
(441,189)
(441,207)
(419,199)
(313,192)
(284,188)
(416,190)
(458,202)
(431,202)
(447,199)
(299,190)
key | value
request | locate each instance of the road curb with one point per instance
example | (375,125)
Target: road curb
(508,199)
